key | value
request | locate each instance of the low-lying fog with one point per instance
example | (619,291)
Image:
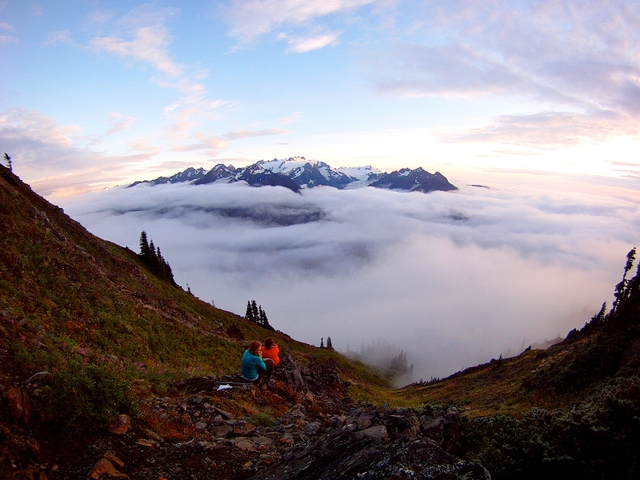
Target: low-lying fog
(453,279)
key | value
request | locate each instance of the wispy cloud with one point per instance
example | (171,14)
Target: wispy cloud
(549,129)
(580,64)
(241,134)
(253,18)
(62,36)
(307,44)
(209,143)
(5,39)
(119,122)
(50,157)
(150,46)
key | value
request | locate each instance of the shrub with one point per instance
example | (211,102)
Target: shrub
(86,397)
(597,438)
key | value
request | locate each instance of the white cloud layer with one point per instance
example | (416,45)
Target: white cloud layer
(452,278)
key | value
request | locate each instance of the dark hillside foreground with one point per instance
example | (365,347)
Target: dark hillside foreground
(108,370)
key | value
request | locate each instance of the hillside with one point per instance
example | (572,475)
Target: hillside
(108,370)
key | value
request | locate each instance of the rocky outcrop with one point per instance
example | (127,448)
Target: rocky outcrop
(377,443)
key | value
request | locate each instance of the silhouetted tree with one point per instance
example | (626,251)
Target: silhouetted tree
(254,311)
(257,315)
(622,290)
(321,342)
(152,258)
(7,159)
(329,345)
(249,314)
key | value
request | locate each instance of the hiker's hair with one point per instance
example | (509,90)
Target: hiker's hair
(268,342)
(254,346)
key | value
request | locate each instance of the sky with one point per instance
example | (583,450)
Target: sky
(537,100)
(95,94)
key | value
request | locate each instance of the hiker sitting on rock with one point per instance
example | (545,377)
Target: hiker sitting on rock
(254,368)
(271,351)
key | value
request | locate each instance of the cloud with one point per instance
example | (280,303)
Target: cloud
(452,278)
(308,44)
(578,64)
(549,129)
(242,134)
(4,39)
(119,122)
(50,158)
(62,36)
(251,19)
(149,46)
(210,143)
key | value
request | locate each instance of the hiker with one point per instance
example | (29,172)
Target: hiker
(271,351)
(254,368)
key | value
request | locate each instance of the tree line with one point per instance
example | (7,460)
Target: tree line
(257,315)
(153,259)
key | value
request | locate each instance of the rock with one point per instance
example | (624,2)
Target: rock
(244,443)
(234,332)
(222,431)
(105,468)
(243,428)
(295,413)
(364,421)
(313,428)
(121,425)
(19,403)
(113,459)
(201,426)
(377,431)
(341,457)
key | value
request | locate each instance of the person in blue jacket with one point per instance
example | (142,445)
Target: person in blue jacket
(254,368)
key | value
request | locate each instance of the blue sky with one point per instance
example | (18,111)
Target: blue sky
(95,94)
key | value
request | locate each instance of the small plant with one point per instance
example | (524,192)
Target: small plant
(86,397)
(264,419)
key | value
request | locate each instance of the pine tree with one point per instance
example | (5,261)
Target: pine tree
(249,314)
(152,258)
(321,342)
(622,288)
(144,245)
(7,159)
(254,311)
(329,345)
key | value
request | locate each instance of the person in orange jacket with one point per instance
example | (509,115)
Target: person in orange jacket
(271,351)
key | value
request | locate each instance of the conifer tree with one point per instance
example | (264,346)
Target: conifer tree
(7,159)
(249,314)
(152,258)
(254,311)
(329,345)
(321,342)
(622,290)
(144,245)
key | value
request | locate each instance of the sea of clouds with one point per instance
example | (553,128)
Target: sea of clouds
(452,278)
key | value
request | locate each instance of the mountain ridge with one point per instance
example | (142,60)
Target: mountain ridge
(296,173)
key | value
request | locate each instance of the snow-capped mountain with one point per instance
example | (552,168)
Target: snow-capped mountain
(298,173)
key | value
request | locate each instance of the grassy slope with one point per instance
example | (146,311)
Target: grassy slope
(68,296)
(65,295)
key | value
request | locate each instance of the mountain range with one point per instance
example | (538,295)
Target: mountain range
(297,173)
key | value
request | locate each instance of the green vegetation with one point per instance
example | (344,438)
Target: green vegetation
(86,396)
(599,435)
